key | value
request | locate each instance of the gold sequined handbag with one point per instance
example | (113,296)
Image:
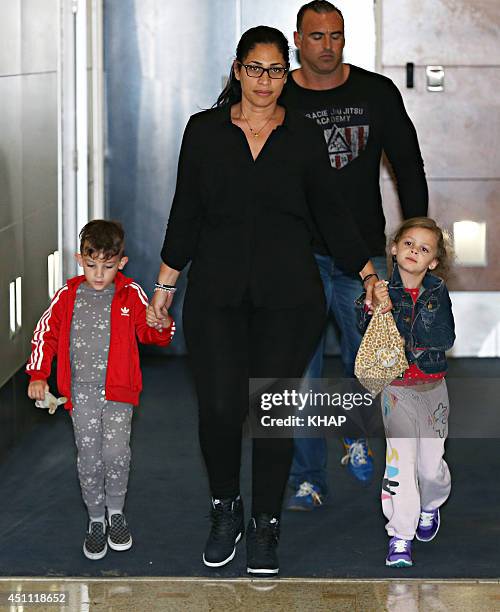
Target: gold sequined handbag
(381,356)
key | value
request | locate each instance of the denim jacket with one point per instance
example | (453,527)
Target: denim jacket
(427,327)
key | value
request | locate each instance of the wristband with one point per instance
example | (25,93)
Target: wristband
(166,288)
(369,276)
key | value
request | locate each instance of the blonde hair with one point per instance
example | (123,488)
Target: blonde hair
(445,253)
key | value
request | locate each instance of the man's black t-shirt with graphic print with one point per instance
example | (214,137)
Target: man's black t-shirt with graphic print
(361,118)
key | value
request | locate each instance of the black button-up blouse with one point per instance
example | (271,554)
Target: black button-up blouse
(247,226)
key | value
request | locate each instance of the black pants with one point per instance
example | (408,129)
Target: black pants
(227,346)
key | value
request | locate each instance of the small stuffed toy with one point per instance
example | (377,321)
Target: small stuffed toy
(50,402)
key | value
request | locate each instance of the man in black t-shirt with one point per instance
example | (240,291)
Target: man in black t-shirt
(361,114)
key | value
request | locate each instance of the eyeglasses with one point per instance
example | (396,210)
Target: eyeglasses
(274,72)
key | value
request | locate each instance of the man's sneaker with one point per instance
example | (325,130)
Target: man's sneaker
(95,546)
(119,537)
(227,529)
(263,534)
(428,525)
(358,458)
(306,497)
(399,553)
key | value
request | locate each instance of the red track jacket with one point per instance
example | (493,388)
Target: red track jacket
(128,320)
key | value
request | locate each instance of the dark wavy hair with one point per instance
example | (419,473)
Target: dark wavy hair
(249,40)
(101,237)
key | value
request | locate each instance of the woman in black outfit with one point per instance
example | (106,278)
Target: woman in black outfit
(251,179)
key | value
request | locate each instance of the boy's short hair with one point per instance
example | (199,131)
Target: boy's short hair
(102,238)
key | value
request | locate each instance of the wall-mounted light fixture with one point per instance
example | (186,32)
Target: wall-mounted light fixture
(469,239)
(53,273)
(12,308)
(435,78)
(15,306)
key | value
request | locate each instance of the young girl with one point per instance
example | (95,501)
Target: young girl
(415,407)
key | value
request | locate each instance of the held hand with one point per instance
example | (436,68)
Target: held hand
(152,320)
(157,312)
(377,293)
(380,292)
(37,389)
(161,302)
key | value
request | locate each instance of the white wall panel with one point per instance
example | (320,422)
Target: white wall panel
(10,37)
(39,35)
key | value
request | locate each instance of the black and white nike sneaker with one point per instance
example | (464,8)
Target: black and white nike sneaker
(263,533)
(226,531)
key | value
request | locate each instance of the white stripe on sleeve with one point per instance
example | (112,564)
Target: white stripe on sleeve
(140,292)
(41,329)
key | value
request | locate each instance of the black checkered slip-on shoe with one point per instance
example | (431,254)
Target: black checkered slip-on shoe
(119,537)
(95,546)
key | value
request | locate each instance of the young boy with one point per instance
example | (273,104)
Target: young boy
(91,326)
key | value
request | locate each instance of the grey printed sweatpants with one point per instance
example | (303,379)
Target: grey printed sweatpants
(416,475)
(102,436)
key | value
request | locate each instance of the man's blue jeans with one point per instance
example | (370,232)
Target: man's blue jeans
(310,454)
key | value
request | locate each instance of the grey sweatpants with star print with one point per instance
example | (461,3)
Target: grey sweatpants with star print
(102,436)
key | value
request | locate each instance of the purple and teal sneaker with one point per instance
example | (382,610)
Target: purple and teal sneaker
(307,497)
(358,458)
(428,525)
(399,553)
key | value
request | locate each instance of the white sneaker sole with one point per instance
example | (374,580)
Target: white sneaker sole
(230,558)
(263,572)
(399,563)
(125,546)
(95,556)
(435,533)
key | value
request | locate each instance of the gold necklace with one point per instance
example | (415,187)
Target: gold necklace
(254,133)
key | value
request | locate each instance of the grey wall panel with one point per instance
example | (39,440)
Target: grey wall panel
(457,32)
(17,412)
(39,130)
(10,37)
(28,164)
(11,256)
(458,129)
(7,416)
(39,20)
(40,239)
(10,151)
(162,65)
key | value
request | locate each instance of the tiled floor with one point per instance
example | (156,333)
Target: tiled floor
(288,595)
